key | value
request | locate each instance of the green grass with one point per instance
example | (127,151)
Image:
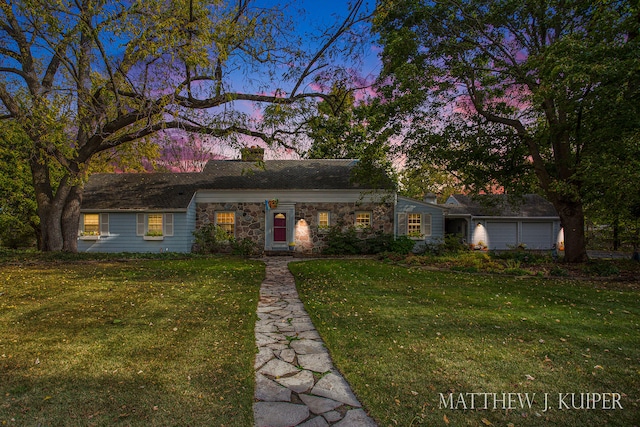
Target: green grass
(403,336)
(128,342)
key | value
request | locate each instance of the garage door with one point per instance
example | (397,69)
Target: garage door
(502,235)
(537,235)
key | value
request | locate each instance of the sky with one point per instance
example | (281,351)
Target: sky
(311,16)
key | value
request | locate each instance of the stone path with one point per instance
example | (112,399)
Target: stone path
(296,383)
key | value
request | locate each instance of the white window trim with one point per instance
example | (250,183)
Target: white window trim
(103,227)
(426,225)
(142,225)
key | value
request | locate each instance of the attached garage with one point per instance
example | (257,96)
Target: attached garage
(537,235)
(499,222)
(502,235)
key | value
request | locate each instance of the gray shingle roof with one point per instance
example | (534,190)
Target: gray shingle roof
(279,175)
(139,191)
(151,191)
(528,206)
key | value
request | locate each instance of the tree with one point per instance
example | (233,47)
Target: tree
(612,194)
(343,128)
(335,131)
(419,179)
(18,219)
(83,77)
(502,90)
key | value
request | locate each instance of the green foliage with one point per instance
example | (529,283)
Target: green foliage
(510,102)
(558,271)
(89,86)
(243,247)
(522,257)
(18,218)
(601,269)
(451,244)
(210,238)
(343,130)
(342,242)
(351,241)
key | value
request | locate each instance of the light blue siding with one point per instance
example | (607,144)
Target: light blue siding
(122,235)
(406,205)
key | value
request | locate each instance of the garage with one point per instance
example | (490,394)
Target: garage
(500,222)
(537,235)
(502,235)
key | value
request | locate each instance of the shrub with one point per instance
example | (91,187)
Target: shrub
(558,272)
(401,244)
(210,239)
(601,268)
(341,242)
(353,242)
(451,244)
(245,247)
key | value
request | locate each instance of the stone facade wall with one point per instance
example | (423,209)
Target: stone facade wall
(249,219)
(309,238)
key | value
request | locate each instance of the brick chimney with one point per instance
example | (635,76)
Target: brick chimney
(252,154)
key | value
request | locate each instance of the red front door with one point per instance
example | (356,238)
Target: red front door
(280,227)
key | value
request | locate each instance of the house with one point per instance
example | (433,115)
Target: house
(136,212)
(277,204)
(291,204)
(499,222)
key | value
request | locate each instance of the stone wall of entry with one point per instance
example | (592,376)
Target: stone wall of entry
(250,220)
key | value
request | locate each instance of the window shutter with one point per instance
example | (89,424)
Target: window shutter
(426,225)
(104,224)
(402,224)
(168,224)
(140,224)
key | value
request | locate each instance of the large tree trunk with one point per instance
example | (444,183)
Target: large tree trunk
(59,213)
(572,220)
(50,228)
(71,219)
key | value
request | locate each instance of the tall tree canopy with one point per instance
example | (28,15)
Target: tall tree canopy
(83,77)
(502,90)
(343,128)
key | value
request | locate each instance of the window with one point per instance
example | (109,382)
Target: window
(94,225)
(323,219)
(91,224)
(154,225)
(363,219)
(226,221)
(414,225)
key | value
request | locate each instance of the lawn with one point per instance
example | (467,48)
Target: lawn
(165,342)
(411,342)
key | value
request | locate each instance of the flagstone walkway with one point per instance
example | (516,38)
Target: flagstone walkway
(296,383)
